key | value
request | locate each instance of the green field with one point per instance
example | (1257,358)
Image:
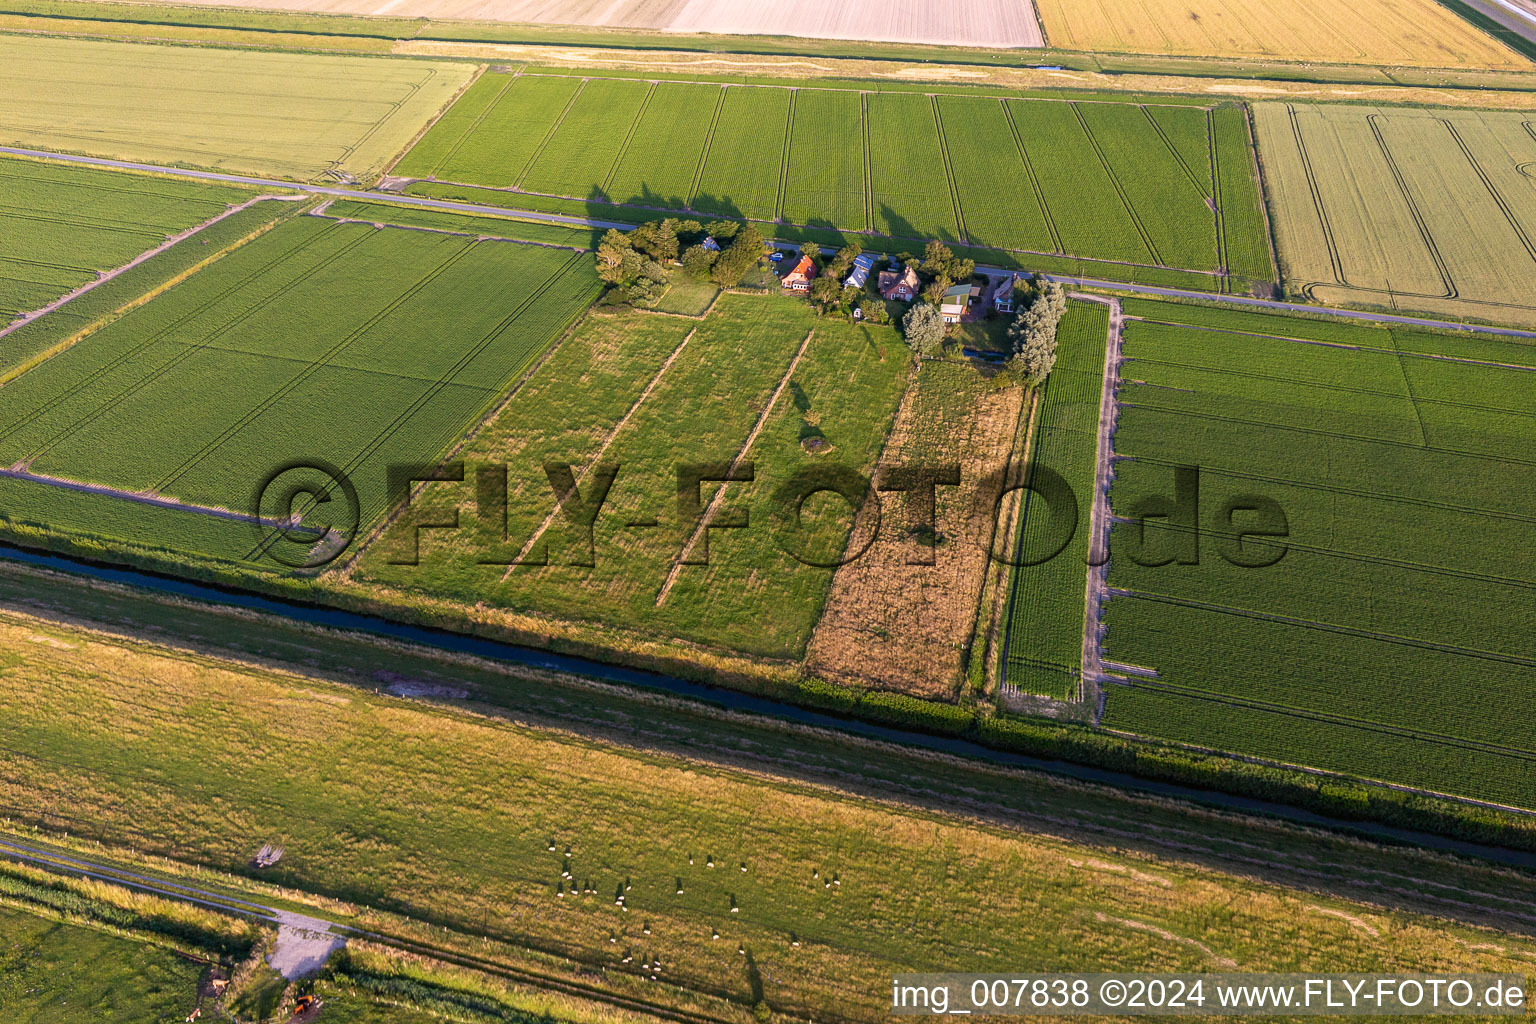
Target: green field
(65,974)
(1417,209)
(301,116)
(61,226)
(647,403)
(1391,641)
(1114,181)
(1044,651)
(447,814)
(320,340)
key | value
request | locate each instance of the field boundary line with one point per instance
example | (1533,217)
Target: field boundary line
(1256,170)
(142,257)
(1324,222)
(549,133)
(1114,179)
(949,172)
(1034,181)
(1498,197)
(629,137)
(709,144)
(746,448)
(1091,669)
(1413,208)
(112,365)
(607,442)
(784,157)
(186,352)
(314,365)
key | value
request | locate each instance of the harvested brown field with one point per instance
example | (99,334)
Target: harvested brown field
(990,23)
(1417,33)
(907,625)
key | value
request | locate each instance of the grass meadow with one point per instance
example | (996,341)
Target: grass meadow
(448,815)
(648,392)
(278,370)
(1416,209)
(1044,651)
(61,226)
(1390,32)
(290,115)
(1113,181)
(1389,640)
(68,974)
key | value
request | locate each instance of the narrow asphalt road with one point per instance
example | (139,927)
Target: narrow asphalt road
(586,222)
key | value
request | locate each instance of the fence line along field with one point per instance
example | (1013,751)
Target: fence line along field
(61,226)
(1423,209)
(710,861)
(1390,32)
(759,379)
(320,341)
(1166,185)
(1391,639)
(291,115)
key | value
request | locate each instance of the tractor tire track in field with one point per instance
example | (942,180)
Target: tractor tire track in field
(142,257)
(629,137)
(549,134)
(436,387)
(784,153)
(1034,180)
(709,144)
(312,368)
(1114,179)
(111,366)
(949,172)
(602,449)
(1217,205)
(453,151)
(186,352)
(1323,221)
(1441,267)
(1498,197)
(746,448)
(1091,670)
(1363,724)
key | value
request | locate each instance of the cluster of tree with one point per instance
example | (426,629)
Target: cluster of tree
(942,269)
(638,264)
(1033,332)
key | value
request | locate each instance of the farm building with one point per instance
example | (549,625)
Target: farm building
(1002,298)
(800,275)
(862,265)
(957,300)
(901,287)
